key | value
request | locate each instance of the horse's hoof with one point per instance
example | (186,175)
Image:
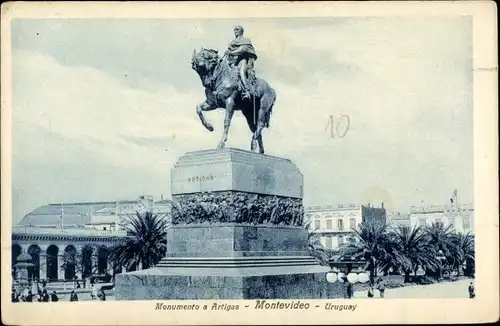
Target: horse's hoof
(253,147)
(209,127)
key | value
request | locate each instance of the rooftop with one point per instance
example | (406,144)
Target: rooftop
(322,208)
(399,216)
(331,207)
(71,231)
(441,208)
(163,202)
(79,213)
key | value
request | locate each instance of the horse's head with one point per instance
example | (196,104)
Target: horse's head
(204,61)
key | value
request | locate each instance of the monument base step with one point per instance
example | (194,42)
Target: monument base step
(181,283)
(236,262)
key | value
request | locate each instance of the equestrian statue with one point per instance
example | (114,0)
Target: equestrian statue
(230,83)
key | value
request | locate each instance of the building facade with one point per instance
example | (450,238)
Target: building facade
(395,219)
(335,224)
(459,217)
(73,239)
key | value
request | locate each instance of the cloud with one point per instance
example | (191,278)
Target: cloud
(85,131)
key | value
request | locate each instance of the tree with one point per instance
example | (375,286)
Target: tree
(413,250)
(442,238)
(465,252)
(315,247)
(372,242)
(146,241)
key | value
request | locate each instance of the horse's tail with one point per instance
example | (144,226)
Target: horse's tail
(269,106)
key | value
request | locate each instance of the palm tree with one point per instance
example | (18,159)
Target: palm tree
(466,252)
(413,250)
(317,250)
(315,246)
(372,242)
(441,238)
(146,241)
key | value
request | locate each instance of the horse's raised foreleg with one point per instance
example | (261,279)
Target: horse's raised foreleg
(227,120)
(205,107)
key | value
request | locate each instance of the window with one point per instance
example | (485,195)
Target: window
(421,222)
(329,224)
(352,223)
(340,224)
(104,228)
(466,223)
(329,242)
(317,223)
(341,240)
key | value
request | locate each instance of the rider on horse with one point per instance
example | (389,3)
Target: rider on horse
(242,55)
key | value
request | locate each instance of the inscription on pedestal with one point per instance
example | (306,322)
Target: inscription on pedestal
(201,178)
(236,170)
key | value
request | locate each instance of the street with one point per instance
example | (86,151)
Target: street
(439,290)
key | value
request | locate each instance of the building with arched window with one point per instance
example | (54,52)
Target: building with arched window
(72,239)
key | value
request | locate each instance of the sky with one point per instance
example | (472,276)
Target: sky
(103,109)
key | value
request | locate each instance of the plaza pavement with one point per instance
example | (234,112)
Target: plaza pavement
(451,290)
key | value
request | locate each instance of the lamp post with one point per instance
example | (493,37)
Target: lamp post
(21,266)
(441,258)
(348,271)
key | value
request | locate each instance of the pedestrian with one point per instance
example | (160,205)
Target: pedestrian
(370,290)
(78,284)
(54,297)
(73,296)
(101,295)
(34,287)
(472,294)
(93,291)
(44,283)
(29,297)
(350,290)
(14,296)
(381,287)
(45,296)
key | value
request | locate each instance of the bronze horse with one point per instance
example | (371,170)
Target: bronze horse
(222,90)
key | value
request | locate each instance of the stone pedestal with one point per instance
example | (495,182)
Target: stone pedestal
(237,233)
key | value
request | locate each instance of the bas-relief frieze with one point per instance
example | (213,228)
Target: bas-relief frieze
(237,207)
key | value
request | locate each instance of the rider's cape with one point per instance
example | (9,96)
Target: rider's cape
(245,45)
